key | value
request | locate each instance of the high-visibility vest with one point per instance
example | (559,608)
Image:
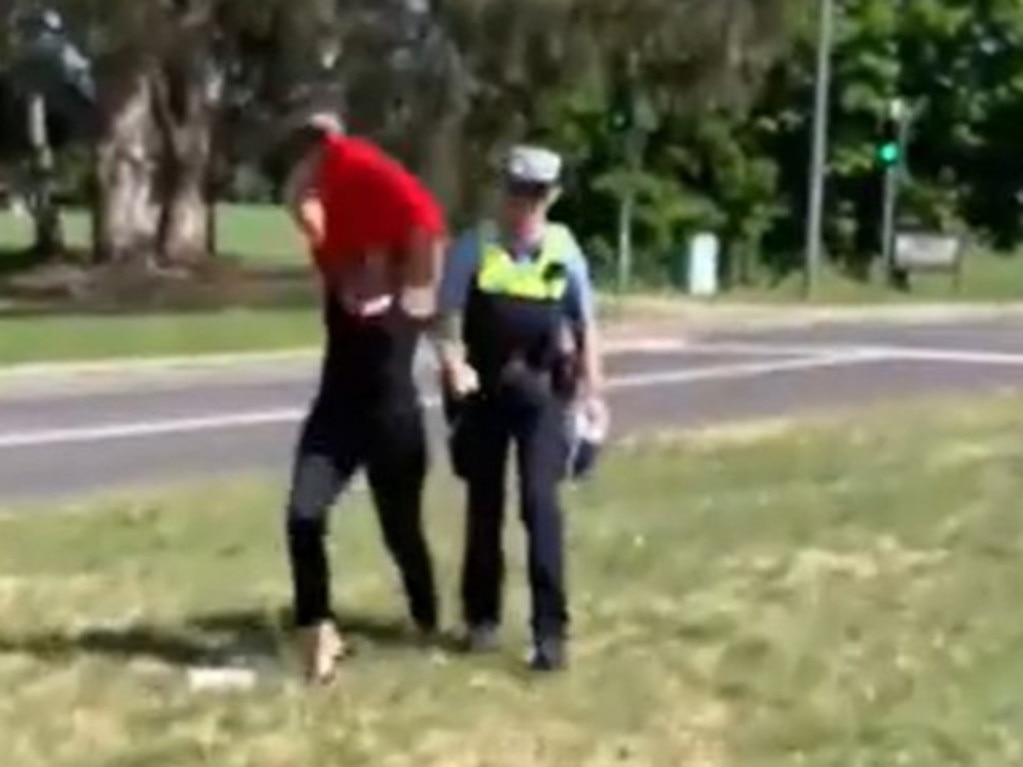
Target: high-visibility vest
(543,278)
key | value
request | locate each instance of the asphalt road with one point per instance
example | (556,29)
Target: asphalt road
(66,441)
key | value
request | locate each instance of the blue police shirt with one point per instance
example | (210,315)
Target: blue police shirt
(463,259)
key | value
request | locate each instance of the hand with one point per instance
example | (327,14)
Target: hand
(363,285)
(596,411)
(419,303)
(462,379)
(369,307)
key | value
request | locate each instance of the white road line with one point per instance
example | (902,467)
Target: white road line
(221,421)
(964,356)
(895,352)
(154,428)
(742,370)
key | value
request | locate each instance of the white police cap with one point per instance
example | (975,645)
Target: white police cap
(532,165)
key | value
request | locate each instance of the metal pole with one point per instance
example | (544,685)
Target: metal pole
(894,178)
(891,186)
(625,214)
(633,160)
(891,191)
(815,212)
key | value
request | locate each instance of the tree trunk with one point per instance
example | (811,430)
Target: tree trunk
(125,214)
(186,123)
(185,223)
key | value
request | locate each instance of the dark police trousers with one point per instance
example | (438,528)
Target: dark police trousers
(366,414)
(531,418)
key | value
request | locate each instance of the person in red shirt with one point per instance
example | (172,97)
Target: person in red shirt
(377,237)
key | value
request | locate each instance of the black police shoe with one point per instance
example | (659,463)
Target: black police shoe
(549,654)
(483,638)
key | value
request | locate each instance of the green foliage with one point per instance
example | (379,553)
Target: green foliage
(701,109)
(742,171)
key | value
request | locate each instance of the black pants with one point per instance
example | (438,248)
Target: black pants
(379,428)
(535,425)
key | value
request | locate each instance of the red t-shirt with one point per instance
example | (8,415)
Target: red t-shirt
(371,203)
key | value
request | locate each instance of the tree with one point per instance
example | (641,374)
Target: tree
(48,95)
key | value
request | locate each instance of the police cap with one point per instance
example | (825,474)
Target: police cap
(532,166)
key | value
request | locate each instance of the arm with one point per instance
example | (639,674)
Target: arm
(422,270)
(421,232)
(453,291)
(301,199)
(582,310)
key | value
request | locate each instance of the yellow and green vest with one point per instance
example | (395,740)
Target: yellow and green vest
(543,278)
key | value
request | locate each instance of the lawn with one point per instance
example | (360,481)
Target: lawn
(261,234)
(843,592)
(53,338)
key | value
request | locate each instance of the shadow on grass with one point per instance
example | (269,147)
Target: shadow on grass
(209,638)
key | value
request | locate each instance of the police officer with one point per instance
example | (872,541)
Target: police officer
(515,309)
(376,236)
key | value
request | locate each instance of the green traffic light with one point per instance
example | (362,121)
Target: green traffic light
(888,153)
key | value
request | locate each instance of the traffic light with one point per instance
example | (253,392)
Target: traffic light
(889,152)
(621,111)
(889,148)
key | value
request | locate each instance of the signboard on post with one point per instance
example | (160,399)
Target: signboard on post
(922,251)
(702,271)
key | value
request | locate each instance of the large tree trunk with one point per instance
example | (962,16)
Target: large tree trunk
(185,112)
(186,122)
(125,212)
(185,224)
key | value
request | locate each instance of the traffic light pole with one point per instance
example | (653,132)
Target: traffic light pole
(891,193)
(633,156)
(892,185)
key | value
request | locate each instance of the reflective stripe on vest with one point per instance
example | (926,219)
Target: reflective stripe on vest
(540,279)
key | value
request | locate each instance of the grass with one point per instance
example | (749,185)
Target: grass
(840,593)
(48,338)
(986,277)
(259,233)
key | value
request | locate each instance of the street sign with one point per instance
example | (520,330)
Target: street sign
(927,251)
(923,251)
(702,272)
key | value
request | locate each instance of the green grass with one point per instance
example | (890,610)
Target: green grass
(831,594)
(986,277)
(261,234)
(49,338)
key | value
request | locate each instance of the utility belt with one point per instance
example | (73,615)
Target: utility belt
(518,375)
(516,381)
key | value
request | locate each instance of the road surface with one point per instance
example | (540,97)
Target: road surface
(61,442)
